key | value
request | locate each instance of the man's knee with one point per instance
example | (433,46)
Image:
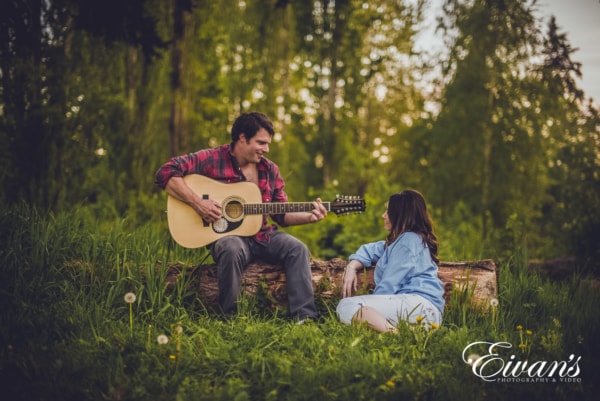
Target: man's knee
(287,249)
(231,247)
(227,243)
(297,248)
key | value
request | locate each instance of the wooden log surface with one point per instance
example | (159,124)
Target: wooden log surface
(479,278)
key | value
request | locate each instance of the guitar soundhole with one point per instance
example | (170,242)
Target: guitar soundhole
(233,209)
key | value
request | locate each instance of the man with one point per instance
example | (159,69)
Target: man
(243,160)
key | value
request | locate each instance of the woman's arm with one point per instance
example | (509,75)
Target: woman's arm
(365,256)
(350,277)
(369,254)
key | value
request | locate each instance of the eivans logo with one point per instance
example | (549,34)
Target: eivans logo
(494,367)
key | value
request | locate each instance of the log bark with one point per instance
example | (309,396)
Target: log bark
(476,280)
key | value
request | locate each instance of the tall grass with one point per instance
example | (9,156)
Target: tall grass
(66,333)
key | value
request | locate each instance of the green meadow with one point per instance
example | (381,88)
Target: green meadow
(491,127)
(86,316)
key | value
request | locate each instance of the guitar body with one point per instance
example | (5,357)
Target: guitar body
(189,230)
(242,211)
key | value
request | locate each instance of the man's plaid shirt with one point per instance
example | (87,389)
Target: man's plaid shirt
(219,164)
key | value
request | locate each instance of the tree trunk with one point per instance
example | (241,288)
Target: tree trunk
(478,278)
(180,79)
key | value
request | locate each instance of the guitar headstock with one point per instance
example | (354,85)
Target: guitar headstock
(344,204)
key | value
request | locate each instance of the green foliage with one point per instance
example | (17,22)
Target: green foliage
(339,236)
(88,113)
(66,331)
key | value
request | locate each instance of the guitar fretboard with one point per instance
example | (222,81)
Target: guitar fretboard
(281,207)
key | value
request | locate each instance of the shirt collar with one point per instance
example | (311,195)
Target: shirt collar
(263,164)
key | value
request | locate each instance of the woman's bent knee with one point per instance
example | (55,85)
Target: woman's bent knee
(347,308)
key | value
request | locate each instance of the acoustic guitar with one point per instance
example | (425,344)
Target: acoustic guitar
(242,211)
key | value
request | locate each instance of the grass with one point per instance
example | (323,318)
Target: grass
(67,332)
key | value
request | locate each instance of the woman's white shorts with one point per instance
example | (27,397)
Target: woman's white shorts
(393,307)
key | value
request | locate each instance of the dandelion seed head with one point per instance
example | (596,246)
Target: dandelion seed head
(474,359)
(130,297)
(494,302)
(162,339)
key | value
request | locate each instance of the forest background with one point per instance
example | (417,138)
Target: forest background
(96,95)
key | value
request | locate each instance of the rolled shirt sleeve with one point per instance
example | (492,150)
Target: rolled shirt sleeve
(179,166)
(369,254)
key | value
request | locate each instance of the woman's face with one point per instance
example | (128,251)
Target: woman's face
(386,219)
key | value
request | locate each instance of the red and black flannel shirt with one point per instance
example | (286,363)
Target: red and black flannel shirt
(219,164)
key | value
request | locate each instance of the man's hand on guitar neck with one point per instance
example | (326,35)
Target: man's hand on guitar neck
(318,213)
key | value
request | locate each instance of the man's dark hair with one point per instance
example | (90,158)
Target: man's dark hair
(249,124)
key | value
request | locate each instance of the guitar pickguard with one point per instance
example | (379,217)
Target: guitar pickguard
(223,226)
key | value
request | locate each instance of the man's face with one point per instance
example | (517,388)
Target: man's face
(253,150)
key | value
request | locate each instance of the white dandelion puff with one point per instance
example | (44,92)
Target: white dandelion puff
(162,339)
(130,297)
(474,360)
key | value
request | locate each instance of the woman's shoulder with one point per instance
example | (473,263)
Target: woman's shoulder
(410,237)
(410,240)
(370,246)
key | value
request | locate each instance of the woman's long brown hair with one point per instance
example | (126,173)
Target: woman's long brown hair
(407,211)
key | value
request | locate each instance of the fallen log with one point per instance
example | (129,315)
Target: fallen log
(476,280)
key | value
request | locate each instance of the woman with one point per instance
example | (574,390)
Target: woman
(407,285)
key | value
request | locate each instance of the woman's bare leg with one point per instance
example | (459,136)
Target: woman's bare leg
(374,319)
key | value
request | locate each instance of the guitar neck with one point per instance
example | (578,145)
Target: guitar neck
(281,207)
